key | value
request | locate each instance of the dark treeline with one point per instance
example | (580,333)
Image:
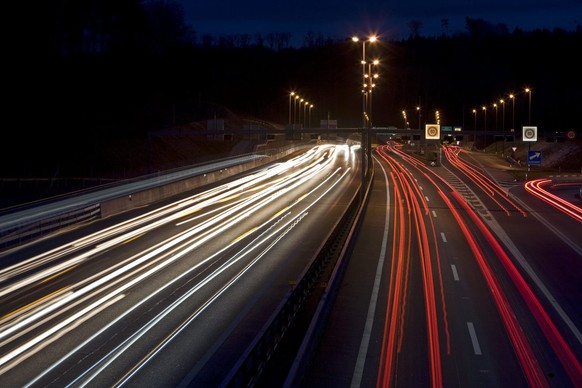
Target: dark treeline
(83,74)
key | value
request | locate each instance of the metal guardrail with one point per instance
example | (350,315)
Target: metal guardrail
(25,223)
(21,233)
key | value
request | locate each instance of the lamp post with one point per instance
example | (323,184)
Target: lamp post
(502,102)
(365,142)
(512,112)
(290,97)
(475,126)
(371,85)
(295,109)
(528,91)
(418,109)
(370,39)
(404,117)
(475,114)
(495,106)
(310,107)
(305,113)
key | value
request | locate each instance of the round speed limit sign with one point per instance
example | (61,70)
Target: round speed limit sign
(529,133)
(432,131)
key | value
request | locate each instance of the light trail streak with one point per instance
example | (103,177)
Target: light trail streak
(241,184)
(485,183)
(15,356)
(107,360)
(407,191)
(119,277)
(526,356)
(536,188)
(161,345)
(194,203)
(529,362)
(559,345)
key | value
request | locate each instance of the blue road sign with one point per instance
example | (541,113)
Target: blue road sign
(534,157)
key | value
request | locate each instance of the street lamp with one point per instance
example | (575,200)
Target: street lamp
(512,111)
(371,85)
(418,109)
(305,113)
(502,102)
(495,106)
(528,91)
(290,97)
(475,114)
(299,115)
(485,122)
(295,109)
(310,107)
(404,117)
(370,39)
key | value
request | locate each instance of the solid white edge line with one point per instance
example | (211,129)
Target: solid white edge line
(366,336)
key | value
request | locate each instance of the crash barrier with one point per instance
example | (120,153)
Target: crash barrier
(24,225)
(20,233)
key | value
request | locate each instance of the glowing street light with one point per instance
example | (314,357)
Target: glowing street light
(370,39)
(371,77)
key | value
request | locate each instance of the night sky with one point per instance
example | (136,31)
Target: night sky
(389,18)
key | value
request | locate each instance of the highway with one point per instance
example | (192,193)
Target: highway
(171,293)
(459,277)
(457,282)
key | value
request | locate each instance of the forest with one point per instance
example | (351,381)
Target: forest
(83,75)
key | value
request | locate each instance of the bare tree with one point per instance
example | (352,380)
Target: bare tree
(259,40)
(415,26)
(445,26)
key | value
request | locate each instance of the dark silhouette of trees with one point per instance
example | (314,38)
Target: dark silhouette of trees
(86,73)
(479,28)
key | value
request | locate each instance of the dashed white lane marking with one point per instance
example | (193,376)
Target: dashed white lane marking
(474,340)
(434,214)
(427,200)
(455,273)
(443,237)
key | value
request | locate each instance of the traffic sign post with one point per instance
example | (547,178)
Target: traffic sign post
(534,158)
